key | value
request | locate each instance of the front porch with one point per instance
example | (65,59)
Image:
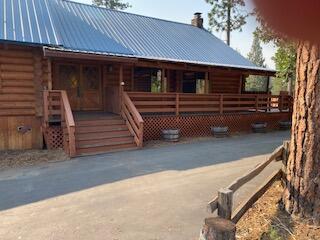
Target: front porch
(107,104)
(143,115)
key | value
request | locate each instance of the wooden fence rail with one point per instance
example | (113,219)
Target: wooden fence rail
(224,200)
(213,103)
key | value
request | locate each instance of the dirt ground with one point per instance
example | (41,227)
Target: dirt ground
(13,159)
(265,221)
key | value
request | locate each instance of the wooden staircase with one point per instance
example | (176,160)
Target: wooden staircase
(90,133)
(106,134)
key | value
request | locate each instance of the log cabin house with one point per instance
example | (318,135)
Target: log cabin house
(94,80)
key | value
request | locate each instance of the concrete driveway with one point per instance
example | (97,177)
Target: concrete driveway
(150,194)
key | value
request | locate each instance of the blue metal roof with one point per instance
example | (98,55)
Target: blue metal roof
(80,27)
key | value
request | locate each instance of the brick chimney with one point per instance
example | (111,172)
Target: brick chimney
(197,20)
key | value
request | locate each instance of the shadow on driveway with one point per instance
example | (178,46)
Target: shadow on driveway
(23,186)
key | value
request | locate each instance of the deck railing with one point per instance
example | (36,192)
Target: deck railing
(57,107)
(133,119)
(213,103)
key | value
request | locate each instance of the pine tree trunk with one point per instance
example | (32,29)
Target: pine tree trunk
(228,31)
(302,194)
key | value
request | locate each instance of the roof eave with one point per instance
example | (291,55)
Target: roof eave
(118,57)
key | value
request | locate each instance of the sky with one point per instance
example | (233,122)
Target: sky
(183,10)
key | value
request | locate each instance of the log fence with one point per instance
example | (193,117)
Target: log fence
(223,226)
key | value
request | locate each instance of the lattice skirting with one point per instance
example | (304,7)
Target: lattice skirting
(198,126)
(54,137)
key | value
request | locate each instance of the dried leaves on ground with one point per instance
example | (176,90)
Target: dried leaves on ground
(19,158)
(266,221)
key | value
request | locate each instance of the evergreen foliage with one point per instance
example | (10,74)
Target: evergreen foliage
(112,4)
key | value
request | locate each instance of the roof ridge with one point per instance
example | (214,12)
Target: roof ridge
(130,13)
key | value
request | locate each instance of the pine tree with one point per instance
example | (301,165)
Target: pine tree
(112,4)
(301,197)
(256,83)
(285,60)
(255,55)
(227,15)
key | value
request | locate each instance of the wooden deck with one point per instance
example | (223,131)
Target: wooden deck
(184,103)
(144,115)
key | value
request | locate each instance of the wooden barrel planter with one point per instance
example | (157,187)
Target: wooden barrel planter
(220,132)
(259,127)
(285,125)
(171,135)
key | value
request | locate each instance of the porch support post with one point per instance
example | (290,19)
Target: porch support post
(240,84)
(120,87)
(163,81)
(132,78)
(49,74)
(268,84)
(206,82)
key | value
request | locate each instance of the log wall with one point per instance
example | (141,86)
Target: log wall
(23,76)
(225,82)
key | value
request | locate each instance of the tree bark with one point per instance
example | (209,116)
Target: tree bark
(302,193)
(228,32)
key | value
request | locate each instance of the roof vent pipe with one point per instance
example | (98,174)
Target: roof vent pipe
(197,20)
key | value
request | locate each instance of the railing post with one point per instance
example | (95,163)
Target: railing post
(217,228)
(72,142)
(281,103)
(257,103)
(225,201)
(140,135)
(221,104)
(46,107)
(177,104)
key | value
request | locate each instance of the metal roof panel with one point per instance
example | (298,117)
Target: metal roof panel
(87,28)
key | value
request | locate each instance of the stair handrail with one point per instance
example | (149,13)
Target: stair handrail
(133,119)
(67,116)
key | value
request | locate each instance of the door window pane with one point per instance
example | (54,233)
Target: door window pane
(69,76)
(91,77)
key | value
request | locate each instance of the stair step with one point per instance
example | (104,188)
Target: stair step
(106,149)
(104,142)
(99,129)
(100,122)
(102,135)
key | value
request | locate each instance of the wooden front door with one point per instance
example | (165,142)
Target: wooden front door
(91,91)
(83,85)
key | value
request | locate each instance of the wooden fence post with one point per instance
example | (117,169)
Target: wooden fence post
(225,201)
(218,229)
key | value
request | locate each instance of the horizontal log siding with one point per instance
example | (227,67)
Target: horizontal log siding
(23,75)
(225,82)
